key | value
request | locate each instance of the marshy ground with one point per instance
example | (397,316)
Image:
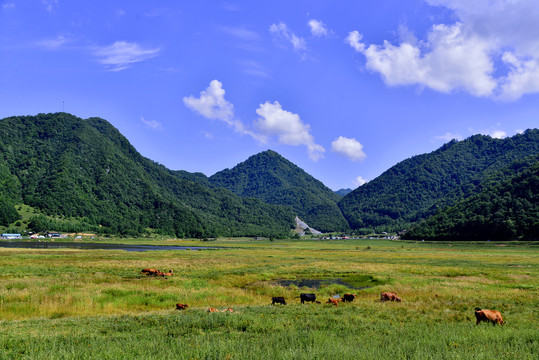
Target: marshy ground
(70,303)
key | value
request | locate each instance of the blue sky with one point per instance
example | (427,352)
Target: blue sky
(343,89)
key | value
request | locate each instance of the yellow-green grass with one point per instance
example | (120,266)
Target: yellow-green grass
(100,297)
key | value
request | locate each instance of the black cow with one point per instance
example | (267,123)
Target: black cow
(348,297)
(307,298)
(278,300)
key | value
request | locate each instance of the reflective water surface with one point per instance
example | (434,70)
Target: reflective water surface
(94,246)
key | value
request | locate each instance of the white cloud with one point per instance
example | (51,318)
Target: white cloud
(359,181)
(241,33)
(318,28)
(449,136)
(53,43)
(354,40)
(121,54)
(288,127)
(497,134)
(462,55)
(212,105)
(351,148)
(152,124)
(50,4)
(8,6)
(281,31)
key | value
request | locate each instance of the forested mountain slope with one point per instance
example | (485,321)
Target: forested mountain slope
(273,179)
(86,170)
(506,206)
(418,187)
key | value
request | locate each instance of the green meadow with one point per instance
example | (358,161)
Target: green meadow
(95,304)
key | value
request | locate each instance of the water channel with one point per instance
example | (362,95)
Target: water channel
(96,246)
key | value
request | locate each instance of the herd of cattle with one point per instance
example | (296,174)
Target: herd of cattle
(492,316)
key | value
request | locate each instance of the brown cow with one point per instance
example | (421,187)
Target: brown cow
(487,316)
(333,301)
(169,273)
(348,297)
(181,306)
(391,296)
(213,310)
(228,310)
(149,271)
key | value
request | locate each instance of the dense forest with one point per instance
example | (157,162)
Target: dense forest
(85,170)
(504,206)
(273,179)
(83,175)
(418,187)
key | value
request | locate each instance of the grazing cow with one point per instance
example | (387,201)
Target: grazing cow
(307,298)
(213,310)
(159,273)
(169,273)
(181,306)
(487,316)
(278,300)
(391,296)
(149,271)
(348,297)
(333,301)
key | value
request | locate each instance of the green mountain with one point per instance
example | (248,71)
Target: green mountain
(506,206)
(343,192)
(87,176)
(418,187)
(273,179)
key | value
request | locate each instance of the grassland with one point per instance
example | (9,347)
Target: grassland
(95,304)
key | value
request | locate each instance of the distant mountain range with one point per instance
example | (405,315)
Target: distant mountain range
(80,175)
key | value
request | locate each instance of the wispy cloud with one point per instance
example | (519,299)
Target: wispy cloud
(8,6)
(122,54)
(351,148)
(50,5)
(281,31)
(152,124)
(53,43)
(241,32)
(254,68)
(449,136)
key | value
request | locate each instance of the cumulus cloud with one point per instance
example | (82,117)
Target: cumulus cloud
(288,127)
(462,56)
(281,31)
(318,28)
(122,54)
(354,40)
(359,181)
(351,148)
(152,124)
(212,105)
(497,134)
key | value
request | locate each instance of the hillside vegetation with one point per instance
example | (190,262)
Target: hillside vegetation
(506,206)
(87,171)
(271,178)
(418,187)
